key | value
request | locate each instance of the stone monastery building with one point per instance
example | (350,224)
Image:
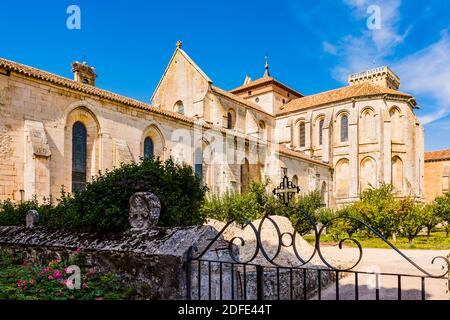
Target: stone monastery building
(58,132)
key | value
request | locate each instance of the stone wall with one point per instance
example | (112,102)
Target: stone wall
(391,131)
(437,179)
(152,261)
(37,117)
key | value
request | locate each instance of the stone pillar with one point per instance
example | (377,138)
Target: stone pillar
(308,137)
(386,148)
(353,156)
(37,161)
(326,143)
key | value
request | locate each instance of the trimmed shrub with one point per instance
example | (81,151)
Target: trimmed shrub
(104,203)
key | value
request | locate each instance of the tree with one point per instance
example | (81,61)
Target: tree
(430,218)
(442,209)
(412,221)
(378,208)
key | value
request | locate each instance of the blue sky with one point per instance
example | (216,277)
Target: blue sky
(312,45)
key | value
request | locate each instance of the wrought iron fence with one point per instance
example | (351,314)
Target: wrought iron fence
(231,278)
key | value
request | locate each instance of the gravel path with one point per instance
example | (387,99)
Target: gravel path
(387,261)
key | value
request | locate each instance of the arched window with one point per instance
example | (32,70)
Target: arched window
(179,107)
(344,128)
(396,125)
(302,135)
(368,174)
(262,130)
(295,180)
(321,122)
(199,164)
(342,178)
(367,127)
(79,156)
(397,174)
(231,119)
(149,149)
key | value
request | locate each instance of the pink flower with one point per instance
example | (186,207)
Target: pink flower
(68,270)
(21,283)
(78,250)
(68,283)
(31,282)
(99,298)
(46,270)
(84,286)
(92,271)
(50,278)
(57,274)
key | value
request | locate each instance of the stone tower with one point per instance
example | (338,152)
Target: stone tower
(382,76)
(84,73)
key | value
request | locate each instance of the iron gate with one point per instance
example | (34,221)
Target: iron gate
(218,273)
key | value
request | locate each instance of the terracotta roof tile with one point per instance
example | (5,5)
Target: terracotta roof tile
(262,82)
(360,90)
(87,89)
(238,99)
(297,154)
(437,155)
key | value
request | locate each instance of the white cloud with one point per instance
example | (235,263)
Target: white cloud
(371,47)
(329,48)
(427,73)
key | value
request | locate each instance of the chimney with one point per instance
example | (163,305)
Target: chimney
(382,76)
(83,73)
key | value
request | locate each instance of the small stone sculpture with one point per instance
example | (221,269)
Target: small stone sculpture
(145,209)
(32,219)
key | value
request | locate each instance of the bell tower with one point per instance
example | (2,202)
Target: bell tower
(84,73)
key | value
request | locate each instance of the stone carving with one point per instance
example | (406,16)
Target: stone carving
(145,209)
(37,138)
(32,219)
(122,153)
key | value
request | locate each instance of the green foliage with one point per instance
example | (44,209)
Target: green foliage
(256,203)
(379,209)
(104,204)
(308,204)
(344,225)
(411,219)
(31,280)
(430,218)
(442,209)
(243,208)
(436,241)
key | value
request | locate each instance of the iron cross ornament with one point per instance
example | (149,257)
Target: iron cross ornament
(286,190)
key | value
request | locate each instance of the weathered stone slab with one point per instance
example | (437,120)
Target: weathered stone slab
(153,261)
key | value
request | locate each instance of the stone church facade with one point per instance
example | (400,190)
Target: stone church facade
(58,132)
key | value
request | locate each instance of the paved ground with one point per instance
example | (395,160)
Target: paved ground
(388,261)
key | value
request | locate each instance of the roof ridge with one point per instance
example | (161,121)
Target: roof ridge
(85,88)
(340,94)
(231,95)
(263,80)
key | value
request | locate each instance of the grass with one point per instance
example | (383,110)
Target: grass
(437,241)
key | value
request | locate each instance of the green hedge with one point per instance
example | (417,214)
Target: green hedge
(104,204)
